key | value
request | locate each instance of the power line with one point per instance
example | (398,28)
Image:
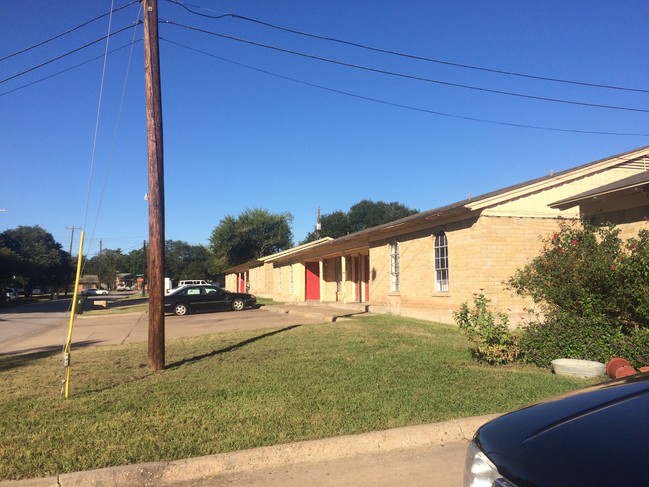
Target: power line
(407,76)
(21,51)
(356,66)
(406,55)
(70,52)
(397,105)
(66,70)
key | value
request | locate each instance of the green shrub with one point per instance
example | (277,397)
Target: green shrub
(564,336)
(491,339)
(633,268)
(634,347)
(593,289)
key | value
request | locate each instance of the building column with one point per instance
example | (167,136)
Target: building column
(322,279)
(343,275)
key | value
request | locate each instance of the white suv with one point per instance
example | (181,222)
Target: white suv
(192,282)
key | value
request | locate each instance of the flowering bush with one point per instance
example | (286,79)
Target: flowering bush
(593,289)
(491,339)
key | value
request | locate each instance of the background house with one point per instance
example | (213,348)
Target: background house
(88,281)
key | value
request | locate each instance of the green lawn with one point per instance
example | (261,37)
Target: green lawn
(236,391)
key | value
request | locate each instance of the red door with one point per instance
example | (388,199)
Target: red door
(312,280)
(242,283)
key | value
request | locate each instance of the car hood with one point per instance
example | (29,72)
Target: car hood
(596,436)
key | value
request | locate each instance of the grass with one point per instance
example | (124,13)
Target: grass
(235,391)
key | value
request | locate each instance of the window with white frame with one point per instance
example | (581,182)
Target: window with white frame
(441,263)
(394,267)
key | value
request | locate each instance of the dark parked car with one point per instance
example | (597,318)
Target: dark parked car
(590,438)
(198,298)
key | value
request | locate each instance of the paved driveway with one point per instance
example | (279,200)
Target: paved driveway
(39,327)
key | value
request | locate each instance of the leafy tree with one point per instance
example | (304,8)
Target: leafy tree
(333,225)
(33,258)
(362,215)
(185,261)
(10,265)
(368,214)
(134,262)
(254,234)
(106,265)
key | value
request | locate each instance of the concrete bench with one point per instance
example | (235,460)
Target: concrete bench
(101,302)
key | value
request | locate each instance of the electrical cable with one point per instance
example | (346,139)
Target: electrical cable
(96,133)
(117,122)
(401,75)
(406,107)
(67,346)
(65,70)
(68,53)
(64,33)
(405,55)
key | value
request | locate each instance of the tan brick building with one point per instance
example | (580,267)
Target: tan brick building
(426,265)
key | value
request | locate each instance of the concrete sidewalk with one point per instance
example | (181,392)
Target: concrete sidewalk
(411,456)
(322,311)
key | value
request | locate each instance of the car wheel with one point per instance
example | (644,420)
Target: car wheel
(238,304)
(181,309)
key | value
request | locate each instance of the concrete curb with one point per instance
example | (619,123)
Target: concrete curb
(328,449)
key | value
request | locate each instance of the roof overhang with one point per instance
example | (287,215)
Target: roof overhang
(279,255)
(629,186)
(554,179)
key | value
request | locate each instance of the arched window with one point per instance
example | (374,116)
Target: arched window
(394,267)
(441,263)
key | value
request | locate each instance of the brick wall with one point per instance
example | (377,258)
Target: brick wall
(482,254)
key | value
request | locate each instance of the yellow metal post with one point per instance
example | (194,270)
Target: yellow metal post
(68,343)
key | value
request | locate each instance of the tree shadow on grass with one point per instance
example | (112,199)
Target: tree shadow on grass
(21,358)
(230,348)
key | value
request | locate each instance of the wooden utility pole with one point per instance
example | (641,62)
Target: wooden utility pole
(73,228)
(156,354)
(144,256)
(318,226)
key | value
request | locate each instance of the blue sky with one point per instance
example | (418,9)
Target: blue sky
(247,126)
